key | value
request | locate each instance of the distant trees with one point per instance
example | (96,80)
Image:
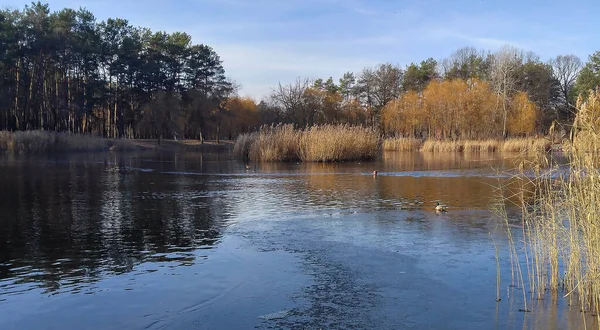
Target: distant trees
(446,109)
(241,116)
(589,76)
(471,94)
(458,109)
(523,115)
(65,71)
(416,77)
(565,69)
(466,63)
(376,87)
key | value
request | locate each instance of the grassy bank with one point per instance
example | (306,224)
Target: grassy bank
(39,142)
(402,144)
(561,232)
(489,145)
(35,142)
(325,143)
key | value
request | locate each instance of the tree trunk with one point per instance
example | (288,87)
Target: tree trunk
(18,81)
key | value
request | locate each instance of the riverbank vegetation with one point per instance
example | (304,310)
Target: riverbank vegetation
(561,237)
(37,142)
(66,71)
(44,142)
(531,144)
(320,143)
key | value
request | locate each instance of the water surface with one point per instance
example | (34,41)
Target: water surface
(196,241)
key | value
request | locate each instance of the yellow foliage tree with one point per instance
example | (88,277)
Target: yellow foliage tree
(522,115)
(450,109)
(242,115)
(352,112)
(403,116)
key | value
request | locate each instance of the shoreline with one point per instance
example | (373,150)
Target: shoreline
(49,142)
(45,142)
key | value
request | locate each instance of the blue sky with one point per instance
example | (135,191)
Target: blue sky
(262,42)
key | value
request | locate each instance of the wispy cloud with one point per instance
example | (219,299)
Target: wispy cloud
(259,70)
(474,39)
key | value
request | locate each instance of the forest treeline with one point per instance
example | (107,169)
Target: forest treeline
(65,71)
(469,95)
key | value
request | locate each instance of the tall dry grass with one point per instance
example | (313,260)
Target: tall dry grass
(521,145)
(443,146)
(30,142)
(489,145)
(402,144)
(241,149)
(323,143)
(329,143)
(560,246)
(278,143)
(526,145)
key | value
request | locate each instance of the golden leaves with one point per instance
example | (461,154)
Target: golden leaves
(457,109)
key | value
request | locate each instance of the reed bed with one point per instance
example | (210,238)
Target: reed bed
(402,144)
(443,146)
(329,143)
(560,247)
(275,144)
(323,143)
(521,145)
(36,142)
(489,145)
(526,145)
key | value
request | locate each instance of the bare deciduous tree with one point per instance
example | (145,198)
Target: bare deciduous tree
(565,69)
(465,63)
(503,76)
(290,98)
(376,87)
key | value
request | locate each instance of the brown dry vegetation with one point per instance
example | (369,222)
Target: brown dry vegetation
(47,142)
(561,236)
(402,144)
(27,142)
(322,143)
(488,145)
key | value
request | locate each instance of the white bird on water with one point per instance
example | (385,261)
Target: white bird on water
(440,207)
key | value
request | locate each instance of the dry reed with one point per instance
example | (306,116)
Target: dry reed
(26,142)
(526,145)
(275,143)
(489,145)
(561,235)
(443,146)
(402,144)
(323,143)
(241,149)
(329,143)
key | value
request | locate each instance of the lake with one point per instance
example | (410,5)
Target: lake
(196,241)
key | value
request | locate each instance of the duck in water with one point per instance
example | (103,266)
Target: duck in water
(440,207)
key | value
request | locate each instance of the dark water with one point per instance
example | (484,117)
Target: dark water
(163,241)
